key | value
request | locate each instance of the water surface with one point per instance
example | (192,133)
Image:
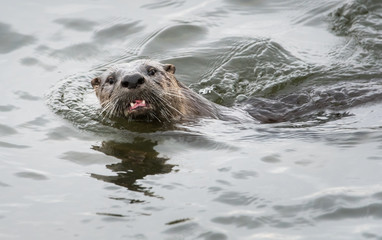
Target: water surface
(306,167)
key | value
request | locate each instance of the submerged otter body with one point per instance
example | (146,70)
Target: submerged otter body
(148,90)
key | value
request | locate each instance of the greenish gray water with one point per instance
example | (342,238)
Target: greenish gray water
(306,167)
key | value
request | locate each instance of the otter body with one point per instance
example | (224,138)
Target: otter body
(148,90)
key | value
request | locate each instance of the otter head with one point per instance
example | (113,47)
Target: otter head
(142,89)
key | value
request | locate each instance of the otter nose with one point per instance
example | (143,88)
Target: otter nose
(132,81)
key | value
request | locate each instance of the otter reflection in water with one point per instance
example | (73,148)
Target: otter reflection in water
(139,159)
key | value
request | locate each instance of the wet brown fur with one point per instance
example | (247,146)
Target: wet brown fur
(169,99)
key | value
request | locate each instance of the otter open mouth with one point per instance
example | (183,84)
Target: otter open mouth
(137,104)
(137,107)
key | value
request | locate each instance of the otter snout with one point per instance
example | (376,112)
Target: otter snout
(132,81)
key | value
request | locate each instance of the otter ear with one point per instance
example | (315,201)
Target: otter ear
(95,83)
(169,68)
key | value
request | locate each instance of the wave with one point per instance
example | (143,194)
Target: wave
(361,20)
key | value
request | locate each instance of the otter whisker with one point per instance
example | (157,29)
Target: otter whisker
(176,95)
(106,109)
(170,105)
(164,109)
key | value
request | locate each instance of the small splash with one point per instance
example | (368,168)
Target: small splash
(67,98)
(251,67)
(360,20)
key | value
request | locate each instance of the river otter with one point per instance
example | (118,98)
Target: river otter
(148,90)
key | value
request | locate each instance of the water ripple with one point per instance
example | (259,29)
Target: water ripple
(31,175)
(11,40)
(117,32)
(77,24)
(164,4)
(362,21)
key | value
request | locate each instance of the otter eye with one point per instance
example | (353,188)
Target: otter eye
(110,80)
(151,71)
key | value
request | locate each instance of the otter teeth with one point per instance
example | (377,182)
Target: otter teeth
(137,104)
